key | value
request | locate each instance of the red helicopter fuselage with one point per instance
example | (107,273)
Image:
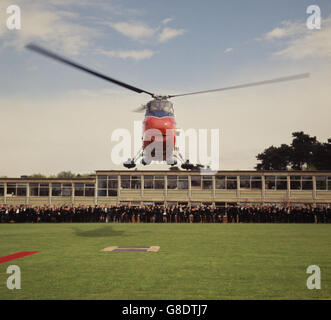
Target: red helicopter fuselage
(160,128)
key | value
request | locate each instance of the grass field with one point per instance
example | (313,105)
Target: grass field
(195,261)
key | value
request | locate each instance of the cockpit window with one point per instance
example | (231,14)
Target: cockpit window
(160,105)
(154,108)
(168,108)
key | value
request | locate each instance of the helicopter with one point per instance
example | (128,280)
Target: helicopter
(159,126)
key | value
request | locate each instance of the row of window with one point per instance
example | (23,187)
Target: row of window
(65,189)
(17,189)
(206,182)
(43,189)
(108,185)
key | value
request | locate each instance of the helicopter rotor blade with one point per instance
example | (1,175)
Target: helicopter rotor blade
(54,56)
(252,84)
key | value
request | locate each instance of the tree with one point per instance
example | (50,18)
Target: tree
(305,152)
(61,175)
(84,175)
(66,175)
(322,156)
(274,158)
(303,149)
(37,176)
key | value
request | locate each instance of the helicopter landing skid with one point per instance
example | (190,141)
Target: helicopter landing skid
(185,164)
(131,162)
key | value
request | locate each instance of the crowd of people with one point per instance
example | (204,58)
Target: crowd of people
(168,214)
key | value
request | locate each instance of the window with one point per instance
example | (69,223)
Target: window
(84,189)
(39,189)
(256,182)
(17,189)
(107,187)
(231,182)
(112,186)
(159,182)
(307,183)
(295,182)
(207,182)
(21,190)
(130,182)
(125,182)
(172,182)
(162,105)
(102,182)
(89,189)
(112,183)
(34,189)
(270,182)
(183,182)
(281,183)
(43,189)
(61,189)
(177,182)
(79,189)
(250,182)
(220,182)
(2,189)
(245,182)
(56,189)
(66,189)
(11,188)
(276,182)
(102,193)
(321,183)
(135,182)
(154,182)
(148,182)
(301,182)
(196,182)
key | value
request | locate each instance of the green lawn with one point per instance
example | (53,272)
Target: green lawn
(195,261)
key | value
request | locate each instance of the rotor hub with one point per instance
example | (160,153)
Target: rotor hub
(160,96)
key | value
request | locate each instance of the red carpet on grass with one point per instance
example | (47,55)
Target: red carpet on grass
(16,255)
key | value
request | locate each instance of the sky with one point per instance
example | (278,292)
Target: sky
(55,118)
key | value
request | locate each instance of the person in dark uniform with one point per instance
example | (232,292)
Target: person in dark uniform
(229,213)
(328,213)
